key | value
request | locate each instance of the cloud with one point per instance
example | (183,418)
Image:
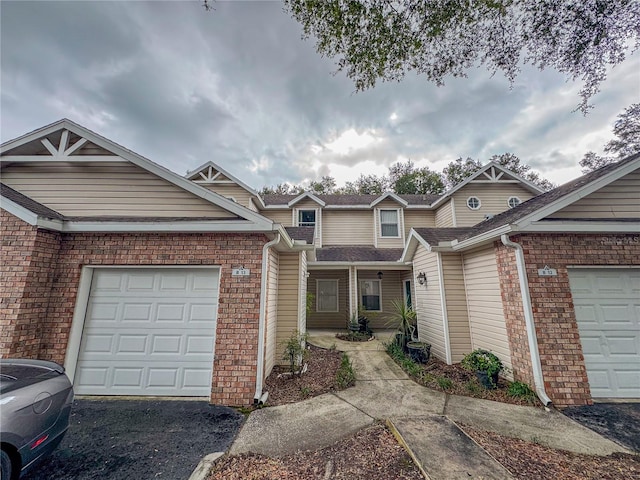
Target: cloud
(238,86)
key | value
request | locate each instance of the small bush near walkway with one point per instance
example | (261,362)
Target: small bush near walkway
(323,368)
(454,379)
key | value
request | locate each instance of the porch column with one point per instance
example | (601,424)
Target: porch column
(353,290)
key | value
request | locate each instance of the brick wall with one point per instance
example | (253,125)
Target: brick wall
(514,314)
(554,315)
(39,288)
(27,259)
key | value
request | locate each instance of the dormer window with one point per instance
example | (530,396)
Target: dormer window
(306,218)
(389,223)
(473,203)
(513,202)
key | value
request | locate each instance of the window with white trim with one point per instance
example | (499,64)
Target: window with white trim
(371,295)
(513,202)
(473,203)
(306,218)
(326,295)
(389,223)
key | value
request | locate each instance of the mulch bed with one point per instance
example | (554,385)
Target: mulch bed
(354,337)
(465,383)
(319,378)
(372,453)
(527,460)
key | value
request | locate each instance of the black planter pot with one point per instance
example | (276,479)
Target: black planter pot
(490,382)
(420,352)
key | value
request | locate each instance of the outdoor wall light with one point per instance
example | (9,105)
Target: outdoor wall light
(379,275)
(422,278)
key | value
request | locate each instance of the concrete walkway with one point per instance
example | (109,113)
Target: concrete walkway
(425,420)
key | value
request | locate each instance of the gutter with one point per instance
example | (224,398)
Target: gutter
(260,397)
(528,318)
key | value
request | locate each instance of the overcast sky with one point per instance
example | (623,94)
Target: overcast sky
(238,86)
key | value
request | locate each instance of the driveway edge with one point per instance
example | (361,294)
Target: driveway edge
(202,469)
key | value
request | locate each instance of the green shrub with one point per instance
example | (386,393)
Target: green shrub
(296,351)
(521,390)
(444,383)
(305,391)
(345,377)
(473,387)
(482,361)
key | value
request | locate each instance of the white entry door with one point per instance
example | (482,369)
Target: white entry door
(607,305)
(149,331)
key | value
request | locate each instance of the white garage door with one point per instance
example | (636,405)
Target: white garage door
(607,303)
(149,332)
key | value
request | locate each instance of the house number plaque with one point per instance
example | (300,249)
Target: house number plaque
(547,272)
(240,272)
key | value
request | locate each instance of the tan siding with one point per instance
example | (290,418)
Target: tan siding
(238,193)
(288,300)
(305,204)
(272,311)
(493,199)
(279,216)
(484,301)
(444,215)
(329,319)
(347,227)
(418,219)
(619,199)
(456,304)
(391,289)
(96,189)
(428,302)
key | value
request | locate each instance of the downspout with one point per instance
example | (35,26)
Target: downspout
(258,397)
(528,319)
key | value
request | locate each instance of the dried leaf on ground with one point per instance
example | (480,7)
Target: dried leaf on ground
(371,453)
(527,460)
(319,378)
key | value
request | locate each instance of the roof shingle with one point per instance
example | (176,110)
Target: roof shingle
(358,253)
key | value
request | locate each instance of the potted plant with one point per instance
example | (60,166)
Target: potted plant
(354,324)
(419,352)
(403,319)
(486,365)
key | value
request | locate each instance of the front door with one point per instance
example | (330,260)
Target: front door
(407,293)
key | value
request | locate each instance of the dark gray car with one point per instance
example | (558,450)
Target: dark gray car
(35,404)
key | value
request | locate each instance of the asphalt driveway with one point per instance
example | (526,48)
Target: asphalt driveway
(619,422)
(138,439)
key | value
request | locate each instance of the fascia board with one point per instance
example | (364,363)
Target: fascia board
(197,226)
(19,211)
(34,135)
(391,195)
(412,244)
(582,227)
(306,195)
(373,265)
(483,237)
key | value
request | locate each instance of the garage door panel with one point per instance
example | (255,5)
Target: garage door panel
(136,313)
(161,378)
(149,332)
(140,282)
(607,306)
